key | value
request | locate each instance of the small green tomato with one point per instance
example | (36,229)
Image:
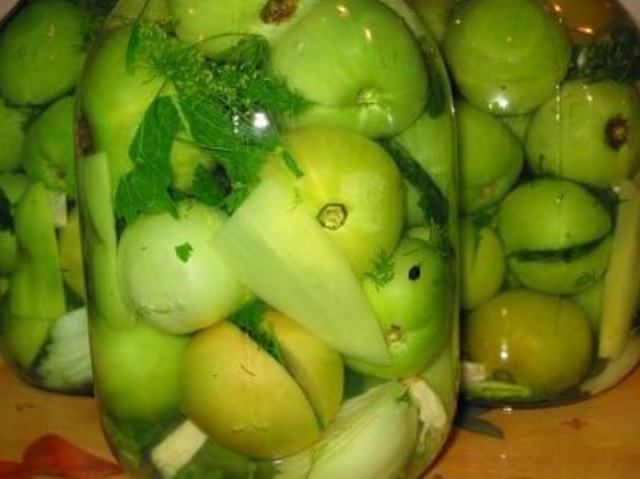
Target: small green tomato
(411,308)
(491,158)
(137,371)
(172,275)
(506,56)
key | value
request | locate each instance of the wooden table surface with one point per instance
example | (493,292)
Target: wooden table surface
(596,439)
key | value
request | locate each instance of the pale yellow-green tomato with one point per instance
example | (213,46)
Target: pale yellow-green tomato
(244,399)
(542,342)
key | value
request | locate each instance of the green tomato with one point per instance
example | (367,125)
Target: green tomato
(242,397)
(549,214)
(506,56)
(358,64)
(482,263)
(589,133)
(490,158)
(49,150)
(411,309)
(171,274)
(567,248)
(12,121)
(137,371)
(352,187)
(41,52)
(541,342)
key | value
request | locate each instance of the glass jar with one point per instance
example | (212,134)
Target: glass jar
(549,145)
(43,319)
(268,207)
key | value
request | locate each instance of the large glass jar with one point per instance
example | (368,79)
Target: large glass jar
(43,320)
(549,145)
(268,207)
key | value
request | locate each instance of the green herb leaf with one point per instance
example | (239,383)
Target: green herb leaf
(209,186)
(617,57)
(565,255)
(381,272)
(468,417)
(227,105)
(250,320)
(145,189)
(437,100)
(184,252)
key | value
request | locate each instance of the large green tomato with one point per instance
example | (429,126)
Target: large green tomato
(359,65)
(352,187)
(506,56)
(590,133)
(411,309)
(566,249)
(171,273)
(541,342)
(248,401)
(137,371)
(42,51)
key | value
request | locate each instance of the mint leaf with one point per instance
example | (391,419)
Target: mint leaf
(145,189)
(184,252)
(227,106)
(209,187)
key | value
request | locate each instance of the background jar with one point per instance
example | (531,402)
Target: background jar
(549,145)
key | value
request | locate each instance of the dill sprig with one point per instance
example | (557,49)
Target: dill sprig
(381,272)
(225,106)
